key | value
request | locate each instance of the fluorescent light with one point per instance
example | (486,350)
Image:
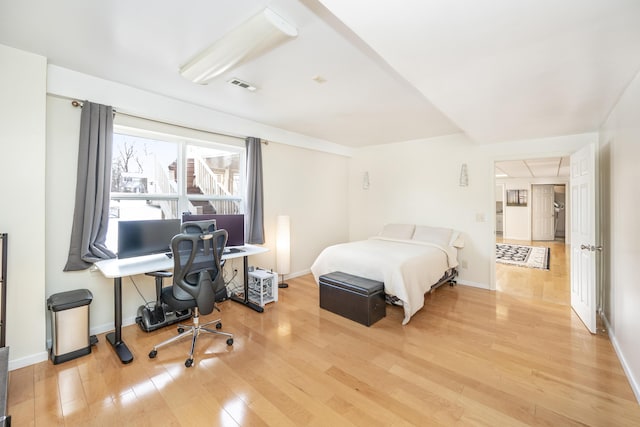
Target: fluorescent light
(260,33)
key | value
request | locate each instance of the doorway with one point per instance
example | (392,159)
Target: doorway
(548,218)
(560,212)
(541,224)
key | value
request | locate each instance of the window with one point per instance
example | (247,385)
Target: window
(159,176)
(516,197)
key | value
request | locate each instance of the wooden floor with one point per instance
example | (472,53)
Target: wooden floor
(551,285)
(470,357)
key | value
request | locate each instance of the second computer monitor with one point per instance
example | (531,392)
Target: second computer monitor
(146,237)
(234,224)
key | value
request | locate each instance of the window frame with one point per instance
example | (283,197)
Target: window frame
(182,143)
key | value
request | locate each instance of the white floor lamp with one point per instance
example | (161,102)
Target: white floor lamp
(283,247)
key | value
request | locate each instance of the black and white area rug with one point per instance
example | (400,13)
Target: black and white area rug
(523,256)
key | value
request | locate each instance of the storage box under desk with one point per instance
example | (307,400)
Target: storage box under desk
(353,297)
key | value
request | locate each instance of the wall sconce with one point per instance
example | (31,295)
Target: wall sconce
(251,39)
(283,247)
(464,176)
(365,181)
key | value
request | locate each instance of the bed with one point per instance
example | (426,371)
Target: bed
(410,260)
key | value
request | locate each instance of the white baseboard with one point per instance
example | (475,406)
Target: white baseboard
(472,284)
(106,327)
(633,382)
(297,274)
(32,359)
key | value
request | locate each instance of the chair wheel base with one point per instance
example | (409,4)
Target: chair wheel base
(188,363)
(153,354)
(229,341)
(219,325)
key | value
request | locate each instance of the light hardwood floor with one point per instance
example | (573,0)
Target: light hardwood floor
(470,357)
(551,285)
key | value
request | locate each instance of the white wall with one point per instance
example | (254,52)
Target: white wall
(517,219)
(22,190)
(139,103)
(310,187)
(306,184)
(417,182)
(619,156)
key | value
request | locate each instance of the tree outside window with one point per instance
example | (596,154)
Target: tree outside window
(156,178)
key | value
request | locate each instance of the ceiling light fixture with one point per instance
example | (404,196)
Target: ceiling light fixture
(260,33)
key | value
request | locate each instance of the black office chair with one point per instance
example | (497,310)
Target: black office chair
(197,273)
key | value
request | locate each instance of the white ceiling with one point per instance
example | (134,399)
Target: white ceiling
(395,70)
(553,167)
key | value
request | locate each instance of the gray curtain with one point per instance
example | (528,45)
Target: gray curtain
(91,214)
(254,215)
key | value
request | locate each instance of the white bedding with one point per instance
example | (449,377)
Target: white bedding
(408,268)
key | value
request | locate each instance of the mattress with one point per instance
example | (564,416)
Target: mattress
(408,268)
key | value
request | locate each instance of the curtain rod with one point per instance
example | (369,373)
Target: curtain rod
(77,103)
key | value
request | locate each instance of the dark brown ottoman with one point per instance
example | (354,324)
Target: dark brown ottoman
(353,297)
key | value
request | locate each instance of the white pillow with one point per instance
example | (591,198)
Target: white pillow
(398,231)
(436,235)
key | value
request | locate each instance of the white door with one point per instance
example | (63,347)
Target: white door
(542,213)
(499,208)
(583,235)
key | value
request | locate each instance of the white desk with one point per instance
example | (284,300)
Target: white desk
(116,269)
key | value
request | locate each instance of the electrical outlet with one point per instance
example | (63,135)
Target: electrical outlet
(464,263)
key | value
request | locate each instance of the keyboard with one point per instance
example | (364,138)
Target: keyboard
(233,250)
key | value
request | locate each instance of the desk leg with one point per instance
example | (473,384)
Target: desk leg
(245,300)
(115,338)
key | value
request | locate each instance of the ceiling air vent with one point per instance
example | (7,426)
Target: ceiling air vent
(244,85)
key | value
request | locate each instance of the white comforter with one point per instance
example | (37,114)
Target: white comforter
(408,268)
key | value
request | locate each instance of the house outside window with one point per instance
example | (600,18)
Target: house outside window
(160,176)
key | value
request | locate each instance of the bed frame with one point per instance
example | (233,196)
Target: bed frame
(448,277)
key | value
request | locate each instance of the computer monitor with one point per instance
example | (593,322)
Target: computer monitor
(146,237)
(233,223)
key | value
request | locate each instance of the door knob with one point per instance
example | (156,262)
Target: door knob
(591,248)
